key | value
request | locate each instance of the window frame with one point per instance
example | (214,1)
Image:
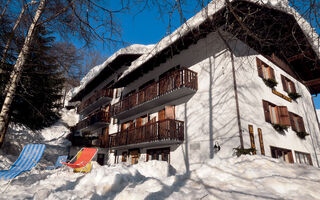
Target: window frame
(263,68)
(283,150)
(306,157)
(288,85)
(276,114)
(297,120)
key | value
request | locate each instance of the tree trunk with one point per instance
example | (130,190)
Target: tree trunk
(12,33)
(6,48)
(16,73)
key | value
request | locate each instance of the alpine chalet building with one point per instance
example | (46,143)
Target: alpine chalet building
(212,87)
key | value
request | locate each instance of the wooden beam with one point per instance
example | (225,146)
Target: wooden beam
(299,56)
(314,82)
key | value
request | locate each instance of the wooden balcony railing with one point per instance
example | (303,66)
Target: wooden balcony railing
(95,97)
(177,79)
(97,117)
(169,129)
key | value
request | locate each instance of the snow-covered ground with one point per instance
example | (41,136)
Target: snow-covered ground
(246,177)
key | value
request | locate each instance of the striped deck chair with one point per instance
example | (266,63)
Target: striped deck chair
(84,158)
(28,158)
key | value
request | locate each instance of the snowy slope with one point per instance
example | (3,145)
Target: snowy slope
(54,137)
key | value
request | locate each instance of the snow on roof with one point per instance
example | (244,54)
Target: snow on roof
(132,49)
(211,9)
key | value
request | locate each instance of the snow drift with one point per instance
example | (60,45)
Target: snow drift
(246,177)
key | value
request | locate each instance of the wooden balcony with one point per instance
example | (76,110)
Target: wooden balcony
(96,100)
(163,132)
(96,120)
(175,85)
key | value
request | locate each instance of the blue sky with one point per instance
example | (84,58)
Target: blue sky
(148,27)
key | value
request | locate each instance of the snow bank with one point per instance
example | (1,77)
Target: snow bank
(246,177)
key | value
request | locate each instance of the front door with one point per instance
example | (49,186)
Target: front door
(100,159)
(134,154)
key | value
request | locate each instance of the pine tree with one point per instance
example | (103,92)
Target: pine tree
(38,97)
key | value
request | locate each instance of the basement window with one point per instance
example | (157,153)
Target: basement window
(162,154)
(303,158)
(282,154)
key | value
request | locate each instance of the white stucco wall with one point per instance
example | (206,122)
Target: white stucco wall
(252,90)
(210,114)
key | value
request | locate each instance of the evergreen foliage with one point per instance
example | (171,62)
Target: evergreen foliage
(38,96)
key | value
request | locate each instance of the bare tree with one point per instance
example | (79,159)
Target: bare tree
(86,19)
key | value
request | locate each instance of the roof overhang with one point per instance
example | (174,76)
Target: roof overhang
(276,31)
(98,74)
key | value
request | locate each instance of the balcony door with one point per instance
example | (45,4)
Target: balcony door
(140,128)
(164,122)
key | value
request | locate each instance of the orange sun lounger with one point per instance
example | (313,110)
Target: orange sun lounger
(84,157)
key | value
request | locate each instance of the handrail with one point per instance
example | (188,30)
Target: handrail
(107,92)
(99,116)
(168,129)
(177,79)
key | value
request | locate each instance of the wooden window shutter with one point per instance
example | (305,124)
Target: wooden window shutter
(293,87)
(301,124)
(293,125)
(261,141)
(251,134)
(259,63)
(161,115)
(309,159)
(284,83)
(138,122)
(266,111)
(290,157)
(272,73)
(169,112)
(284,116)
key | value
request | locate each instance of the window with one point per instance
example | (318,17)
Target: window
(264,70)
(303,158)
(127,125)
(288,85)
(162,154)
(282,154)
(276,114)
(296,122)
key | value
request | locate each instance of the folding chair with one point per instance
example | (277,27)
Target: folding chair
(58,163)
(83,158)
(28,158)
